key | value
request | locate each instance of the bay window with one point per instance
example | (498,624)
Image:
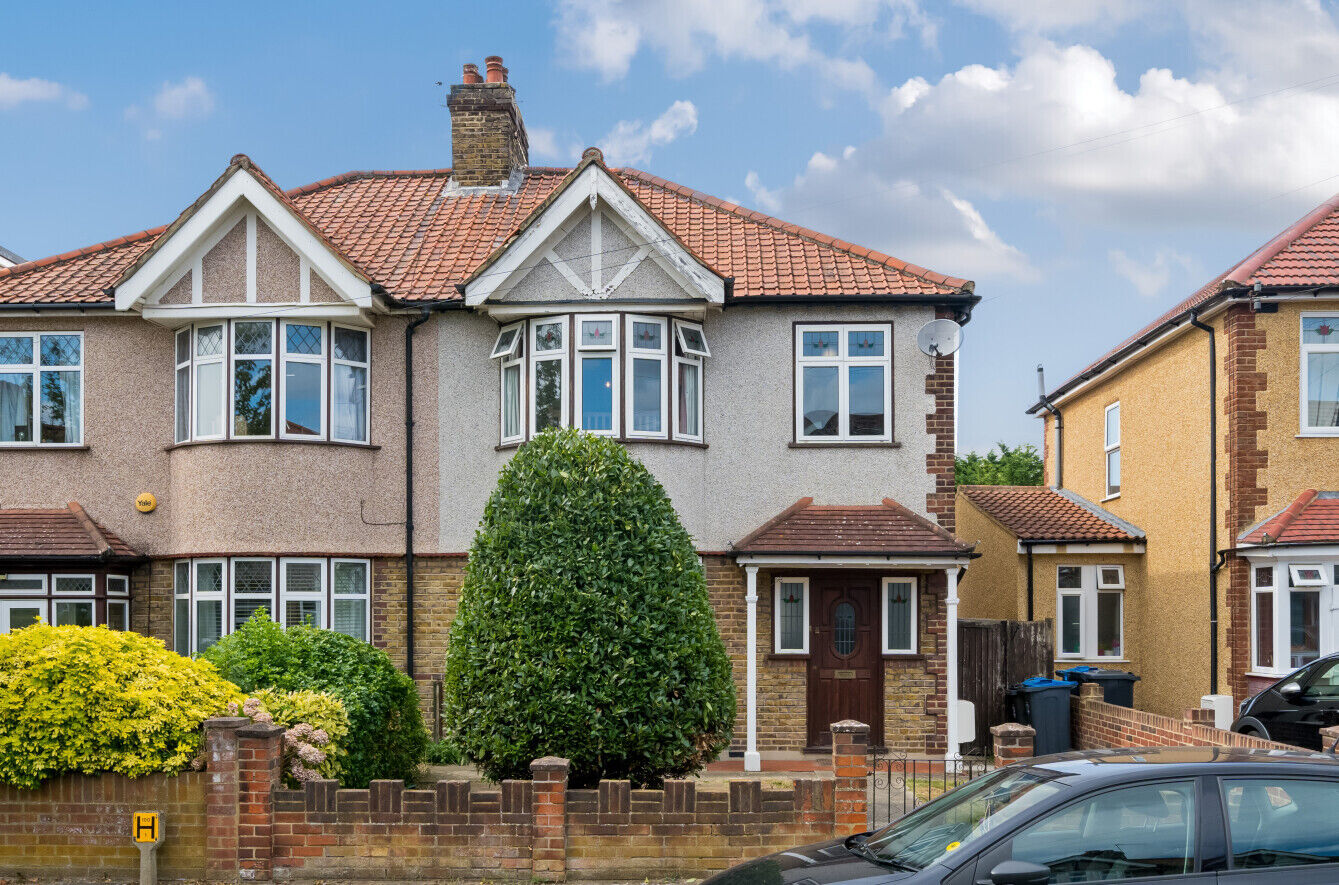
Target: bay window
(267,379)
(1320,374)
(843,389)
(790,614)
(41,388)
(1090,610)
(215,597)
(631,376)
(1293,613)
(899,616)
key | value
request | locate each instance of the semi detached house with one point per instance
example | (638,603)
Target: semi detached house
(207,418)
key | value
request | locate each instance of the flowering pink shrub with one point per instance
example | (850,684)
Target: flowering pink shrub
(315,725)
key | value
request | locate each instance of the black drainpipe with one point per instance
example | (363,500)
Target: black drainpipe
(1059,431)
(1029,581)
(1214,560)
(424,312)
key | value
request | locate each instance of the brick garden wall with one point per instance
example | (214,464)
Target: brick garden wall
(1097,725)
(236,821)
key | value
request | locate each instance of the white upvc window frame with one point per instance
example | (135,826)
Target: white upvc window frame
(633,353)
(58,601)
(118,593)
(366,366)
(843,362)
(608,352)
(322,362)
(73,594)
(230,377)
(682,357)
(365,596)
(233,593)
(198,596)
(510,357)
(181,591)
(26,576)
(914,646)
(1272,590)
(124,606)
(225,396)
(321,595)
(186,365)
(1108,448)
(685,345)
(1304,427)
(1300,574)
(35,368)
(1088,593)
(776,615)
(1118,584)
(8,605)
(558,355)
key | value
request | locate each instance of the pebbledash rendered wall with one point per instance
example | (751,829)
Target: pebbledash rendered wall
(236,821)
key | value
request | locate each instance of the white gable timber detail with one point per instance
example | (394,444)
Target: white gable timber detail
(585,194)
(240,196)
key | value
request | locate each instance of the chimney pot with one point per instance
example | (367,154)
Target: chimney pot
(471,75)
(488,140)
(496,72)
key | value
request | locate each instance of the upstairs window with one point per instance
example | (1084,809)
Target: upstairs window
(267,379)
(1111,445)
(843,389)
(627,376)
(1320,374)
(42,389)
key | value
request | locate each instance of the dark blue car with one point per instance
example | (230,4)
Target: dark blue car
(1164,815)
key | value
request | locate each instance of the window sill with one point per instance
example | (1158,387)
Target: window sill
(1318,434)
(837,444)
(271,440)
(903,656)
(1109,498)
(788,656)
(38,447)
(625,440)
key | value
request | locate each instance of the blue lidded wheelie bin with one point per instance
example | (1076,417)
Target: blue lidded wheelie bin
(1117,685)
(1044,704)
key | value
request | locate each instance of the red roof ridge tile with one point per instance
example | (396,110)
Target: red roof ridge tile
(80,253)
(874,257)
(1243,272)
(89,526)
(1275,526)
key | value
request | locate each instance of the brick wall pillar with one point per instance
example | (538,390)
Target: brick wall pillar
(260,758)
(1199,716)
(1013,742)
(850,766)
(221,797)
(548,853)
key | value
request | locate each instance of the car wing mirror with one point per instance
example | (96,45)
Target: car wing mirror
(1290,690)
(1020,872)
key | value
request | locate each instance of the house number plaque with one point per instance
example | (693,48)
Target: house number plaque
(843,674)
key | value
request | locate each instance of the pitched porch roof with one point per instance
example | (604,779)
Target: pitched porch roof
(58,533)
(1039,513)
(886,529)
(1312,518)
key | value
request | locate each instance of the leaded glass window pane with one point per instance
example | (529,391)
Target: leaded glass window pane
(843,629)
(74,584)
(16,350)
(864,342)
(61,350)
(302,339)
(597,333)
(548,336)
(209,341)
(1320,330)
(790,612)
(822,343)
(254,338)
(350,577)
(647,336)
(209,577)
(900,616)
(252,576)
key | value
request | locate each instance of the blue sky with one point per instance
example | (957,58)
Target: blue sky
(1088,164)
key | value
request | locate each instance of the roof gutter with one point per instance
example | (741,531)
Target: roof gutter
(964,302)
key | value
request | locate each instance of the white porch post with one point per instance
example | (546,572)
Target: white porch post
(752,761)
(951,663)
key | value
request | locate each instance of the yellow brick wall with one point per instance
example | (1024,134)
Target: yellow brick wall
(995,585)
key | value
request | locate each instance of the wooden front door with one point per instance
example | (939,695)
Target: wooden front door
(845,658)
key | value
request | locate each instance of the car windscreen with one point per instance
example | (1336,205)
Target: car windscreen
(958,819)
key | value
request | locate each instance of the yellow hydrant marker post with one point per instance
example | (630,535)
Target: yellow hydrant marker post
(146,829)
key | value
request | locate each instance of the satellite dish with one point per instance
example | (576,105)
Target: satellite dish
(939,337)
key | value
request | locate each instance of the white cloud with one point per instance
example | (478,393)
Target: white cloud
(547,144)
(14,92)
(1050,16)
(768,199)
(1149,277)
(605,35)
(179,101)
(630,141)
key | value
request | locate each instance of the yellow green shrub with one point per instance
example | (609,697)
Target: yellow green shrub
(90,700)
(316,729)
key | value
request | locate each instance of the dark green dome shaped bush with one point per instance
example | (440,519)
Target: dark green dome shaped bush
(584,629)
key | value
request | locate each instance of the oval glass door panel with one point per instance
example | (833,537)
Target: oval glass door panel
(843,628)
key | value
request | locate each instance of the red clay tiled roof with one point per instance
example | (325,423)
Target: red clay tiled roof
(1304,254)
(63,532)
(1312,518)
(1038,513)
(418,239)
(878,529)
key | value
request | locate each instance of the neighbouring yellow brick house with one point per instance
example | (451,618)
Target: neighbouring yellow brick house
(1215,431)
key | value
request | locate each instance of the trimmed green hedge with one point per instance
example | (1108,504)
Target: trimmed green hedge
(584,628)
(386,737)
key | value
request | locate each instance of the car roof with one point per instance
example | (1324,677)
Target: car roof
(1136,763)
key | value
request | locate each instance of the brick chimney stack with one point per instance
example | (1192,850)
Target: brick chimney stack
(488,140)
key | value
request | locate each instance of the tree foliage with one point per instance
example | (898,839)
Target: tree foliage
(584,628)
(1003,466)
